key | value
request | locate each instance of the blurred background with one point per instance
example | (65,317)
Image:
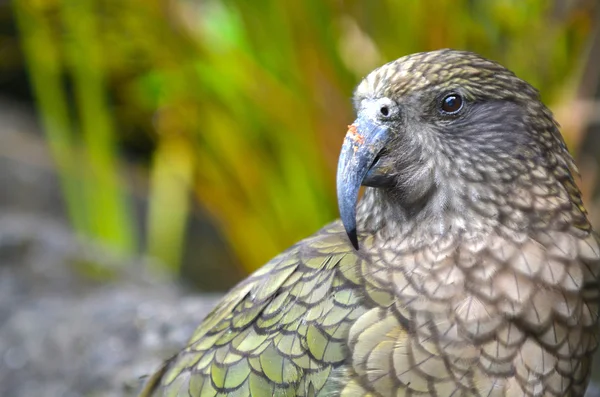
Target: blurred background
(151,148)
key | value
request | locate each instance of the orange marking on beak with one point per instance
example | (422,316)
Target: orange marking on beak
(354,135)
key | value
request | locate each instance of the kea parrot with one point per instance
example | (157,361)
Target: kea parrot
(468,267)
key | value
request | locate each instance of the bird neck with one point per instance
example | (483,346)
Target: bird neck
(519,207)
(383,214)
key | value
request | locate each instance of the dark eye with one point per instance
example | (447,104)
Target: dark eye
(384,110)
(451,104)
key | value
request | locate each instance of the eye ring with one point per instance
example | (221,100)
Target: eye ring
(452,104)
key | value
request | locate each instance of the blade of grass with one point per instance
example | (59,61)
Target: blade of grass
(109,216)
(45,72)
(170,185)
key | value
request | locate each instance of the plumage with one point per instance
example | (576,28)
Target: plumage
(468,268)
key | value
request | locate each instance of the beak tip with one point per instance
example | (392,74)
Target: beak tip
(353,238)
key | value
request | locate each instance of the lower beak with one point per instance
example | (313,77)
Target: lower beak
(364,141)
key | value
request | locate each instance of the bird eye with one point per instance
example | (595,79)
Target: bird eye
(452,104)
(384,110)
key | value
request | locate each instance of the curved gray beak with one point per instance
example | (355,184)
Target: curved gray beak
(364,141)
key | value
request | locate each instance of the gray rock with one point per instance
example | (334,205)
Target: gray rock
(63,333)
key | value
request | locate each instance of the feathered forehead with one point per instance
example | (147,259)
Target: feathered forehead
(444,70)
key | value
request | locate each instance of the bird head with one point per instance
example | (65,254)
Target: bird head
(436,130)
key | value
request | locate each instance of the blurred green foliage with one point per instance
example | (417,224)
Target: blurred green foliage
(245,102)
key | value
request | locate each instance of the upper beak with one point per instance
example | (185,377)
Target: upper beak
(364,141)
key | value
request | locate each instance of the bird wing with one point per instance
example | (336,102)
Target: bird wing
(281,332)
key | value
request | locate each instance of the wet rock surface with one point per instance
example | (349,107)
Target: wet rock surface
(64,333)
